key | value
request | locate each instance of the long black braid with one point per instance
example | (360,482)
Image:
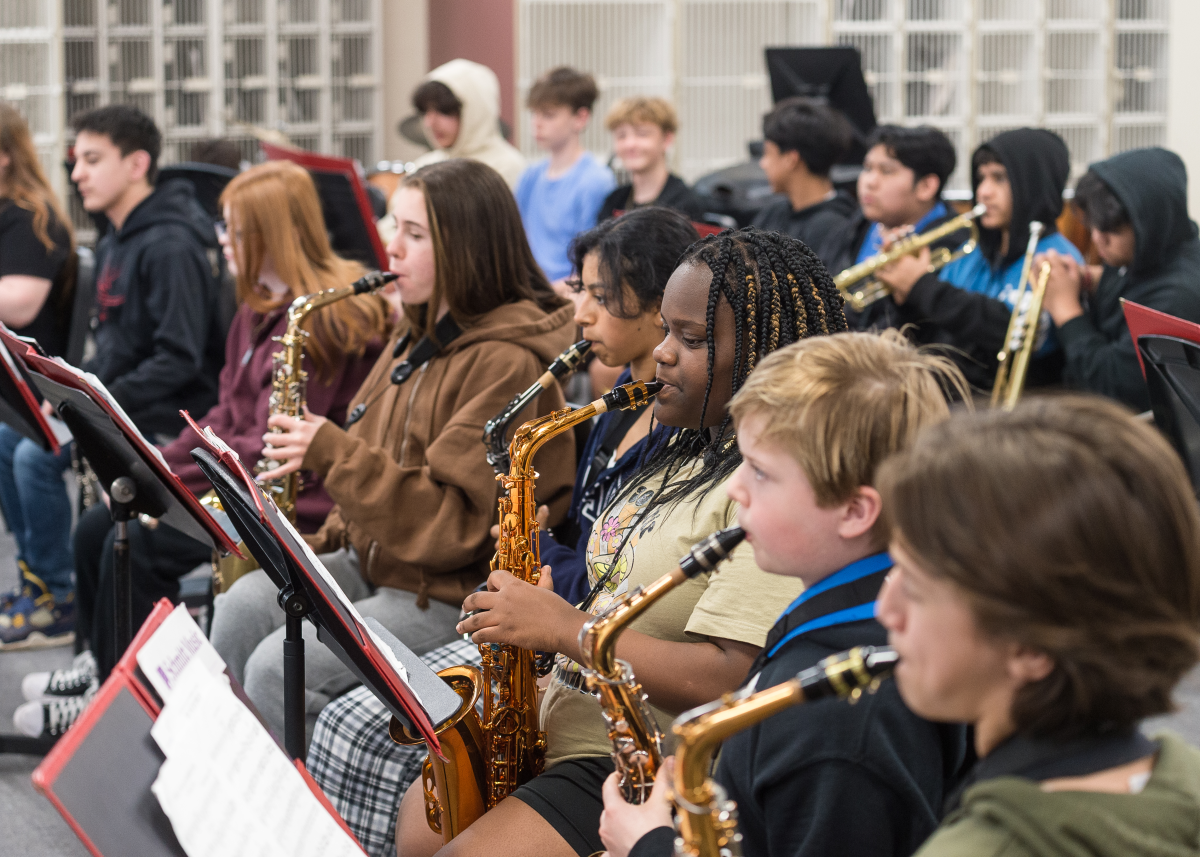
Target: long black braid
(780,293)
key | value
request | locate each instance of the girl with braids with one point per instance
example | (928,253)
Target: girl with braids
(732,299)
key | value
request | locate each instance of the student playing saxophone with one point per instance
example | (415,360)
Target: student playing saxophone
(814,423)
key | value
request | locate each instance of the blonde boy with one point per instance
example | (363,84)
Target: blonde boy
(643,131)
(814,422)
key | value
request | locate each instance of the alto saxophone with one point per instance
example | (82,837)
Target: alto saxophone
(488,757)
(635,736)
(289,381)
(706,819)
(288,396)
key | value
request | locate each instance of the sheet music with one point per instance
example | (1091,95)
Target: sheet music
(173,649)
(226,786)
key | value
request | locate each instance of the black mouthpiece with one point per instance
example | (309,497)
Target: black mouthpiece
(631,395)
(711,552)
(569,359)
(372,281)
(849,673)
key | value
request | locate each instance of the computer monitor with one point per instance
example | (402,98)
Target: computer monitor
(833,75)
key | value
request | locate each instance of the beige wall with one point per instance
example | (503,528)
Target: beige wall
(405,60)
(1183,100)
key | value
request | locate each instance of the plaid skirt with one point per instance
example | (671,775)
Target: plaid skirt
(362,771)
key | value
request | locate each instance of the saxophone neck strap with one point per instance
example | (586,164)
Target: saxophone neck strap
(845,596)
(446,331)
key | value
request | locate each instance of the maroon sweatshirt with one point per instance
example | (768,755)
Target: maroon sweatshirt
(240,416)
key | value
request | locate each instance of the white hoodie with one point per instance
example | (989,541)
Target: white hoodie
(478,89)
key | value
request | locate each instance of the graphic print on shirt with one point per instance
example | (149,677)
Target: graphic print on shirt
(612,534)
(105,299)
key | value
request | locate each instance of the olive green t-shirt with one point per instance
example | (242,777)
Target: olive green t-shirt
(737,602)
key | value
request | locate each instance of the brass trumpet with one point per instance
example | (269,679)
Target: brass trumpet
(858,284)
(1023,324)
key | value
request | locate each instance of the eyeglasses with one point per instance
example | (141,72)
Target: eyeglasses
(222,229)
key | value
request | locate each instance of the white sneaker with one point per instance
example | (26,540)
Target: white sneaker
(51,719)
(72,681)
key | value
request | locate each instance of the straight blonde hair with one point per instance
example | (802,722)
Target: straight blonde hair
(274,211)
(841,404)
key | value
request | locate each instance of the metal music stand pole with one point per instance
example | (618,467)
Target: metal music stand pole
(296,607)
(121,493)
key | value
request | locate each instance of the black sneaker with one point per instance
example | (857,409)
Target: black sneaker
(70,681)
(52,719)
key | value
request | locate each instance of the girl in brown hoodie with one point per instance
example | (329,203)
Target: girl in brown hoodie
(414,496)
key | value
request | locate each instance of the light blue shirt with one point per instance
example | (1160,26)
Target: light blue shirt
(554,211)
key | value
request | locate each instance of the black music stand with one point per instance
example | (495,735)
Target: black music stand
(1172,367)
(305,593)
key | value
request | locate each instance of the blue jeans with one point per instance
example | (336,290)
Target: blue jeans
(34,500)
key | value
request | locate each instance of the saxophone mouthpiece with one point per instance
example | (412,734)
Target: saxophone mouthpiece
(566,362)
(631,395)
(372,281)
(848,674)
(711,552)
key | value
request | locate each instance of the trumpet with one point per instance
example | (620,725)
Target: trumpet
(858,284)
(1021,336)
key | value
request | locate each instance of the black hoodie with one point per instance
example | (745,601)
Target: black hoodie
(1037,164)
(159,346)
(1151,184)
(820,226)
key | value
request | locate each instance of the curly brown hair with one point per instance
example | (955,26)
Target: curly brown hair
(1070,528)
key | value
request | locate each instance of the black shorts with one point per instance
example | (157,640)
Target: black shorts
(569,796)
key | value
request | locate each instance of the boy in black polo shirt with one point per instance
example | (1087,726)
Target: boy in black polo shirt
(814,421)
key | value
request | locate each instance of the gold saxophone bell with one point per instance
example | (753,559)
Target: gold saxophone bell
(1023,325)
(858,284)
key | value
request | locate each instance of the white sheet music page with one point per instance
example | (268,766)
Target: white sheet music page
(227,788)
(173,648)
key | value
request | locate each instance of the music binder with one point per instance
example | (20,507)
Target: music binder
(398,678)
(99,775)
(20,402)
(1144,321)
(344,203)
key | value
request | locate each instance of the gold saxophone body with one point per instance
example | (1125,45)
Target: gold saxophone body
(858,284)
(635,736)
(706,821)
(1021,336)
(288,396)
(487,757)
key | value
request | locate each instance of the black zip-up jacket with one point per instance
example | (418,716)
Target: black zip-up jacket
(159,346)
(1151,184)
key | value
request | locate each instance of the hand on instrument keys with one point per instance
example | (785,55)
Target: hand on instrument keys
(543,515)
(1066,284)
(623,824)
(520,614)
(289,446)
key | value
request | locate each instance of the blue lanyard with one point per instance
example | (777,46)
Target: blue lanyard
(855,571)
